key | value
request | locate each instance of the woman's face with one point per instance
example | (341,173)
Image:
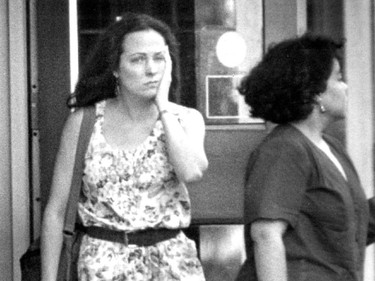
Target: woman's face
(142,63)
(334,99)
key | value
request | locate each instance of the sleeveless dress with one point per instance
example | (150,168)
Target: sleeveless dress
(131,190)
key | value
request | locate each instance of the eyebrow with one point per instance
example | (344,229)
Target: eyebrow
(144,53)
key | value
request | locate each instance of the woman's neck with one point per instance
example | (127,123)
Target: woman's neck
(134,108)
(312,128)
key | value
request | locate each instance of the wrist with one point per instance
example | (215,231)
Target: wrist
(162,106)
(166,111)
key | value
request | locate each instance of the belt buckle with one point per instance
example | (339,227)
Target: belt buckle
(125,238)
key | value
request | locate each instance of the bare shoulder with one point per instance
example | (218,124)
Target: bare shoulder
(72,126)
(74,120)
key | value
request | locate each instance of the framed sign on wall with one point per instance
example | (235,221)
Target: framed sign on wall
(223,101)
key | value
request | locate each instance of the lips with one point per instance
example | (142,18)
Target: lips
(152,84)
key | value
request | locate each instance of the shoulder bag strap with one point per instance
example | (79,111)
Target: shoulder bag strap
(86,129)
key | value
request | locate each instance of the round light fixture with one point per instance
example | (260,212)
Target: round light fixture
(231,49)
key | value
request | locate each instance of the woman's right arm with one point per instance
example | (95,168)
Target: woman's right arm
(54,213)
(269,249)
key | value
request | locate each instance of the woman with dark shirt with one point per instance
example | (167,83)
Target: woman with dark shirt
(307,216)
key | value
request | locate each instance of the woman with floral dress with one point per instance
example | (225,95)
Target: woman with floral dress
(143,151)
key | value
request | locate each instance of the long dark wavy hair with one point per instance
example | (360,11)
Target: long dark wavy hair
(283,87)
(96,81)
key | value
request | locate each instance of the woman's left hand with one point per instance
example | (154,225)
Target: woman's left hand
(161,99)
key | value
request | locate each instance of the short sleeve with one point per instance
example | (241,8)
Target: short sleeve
(278,176)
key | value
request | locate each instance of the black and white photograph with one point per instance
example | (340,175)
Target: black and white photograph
(187,140)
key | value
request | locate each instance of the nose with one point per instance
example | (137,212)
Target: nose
(151,67)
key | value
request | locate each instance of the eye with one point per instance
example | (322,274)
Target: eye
(159,57)
(138,59)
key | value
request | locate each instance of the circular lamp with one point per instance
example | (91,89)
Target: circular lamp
(231,49)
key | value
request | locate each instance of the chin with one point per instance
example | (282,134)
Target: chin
(150,94)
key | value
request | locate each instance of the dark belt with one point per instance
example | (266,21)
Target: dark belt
(141,238)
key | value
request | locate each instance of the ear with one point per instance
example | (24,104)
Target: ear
(318,101)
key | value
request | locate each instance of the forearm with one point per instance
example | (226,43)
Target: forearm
(187,160)
(51,246)
(270,260)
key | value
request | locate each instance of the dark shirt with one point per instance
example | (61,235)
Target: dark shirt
(290,179)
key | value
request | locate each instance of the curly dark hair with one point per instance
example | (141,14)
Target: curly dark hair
(96,81)
(283,86)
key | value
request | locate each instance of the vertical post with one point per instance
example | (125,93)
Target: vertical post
(358,25)
(19,129)
(6,248)
(14,161)
(35,201)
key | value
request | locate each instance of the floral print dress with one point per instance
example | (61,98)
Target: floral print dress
(131,190)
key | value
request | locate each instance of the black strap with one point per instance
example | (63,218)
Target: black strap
(86,129)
